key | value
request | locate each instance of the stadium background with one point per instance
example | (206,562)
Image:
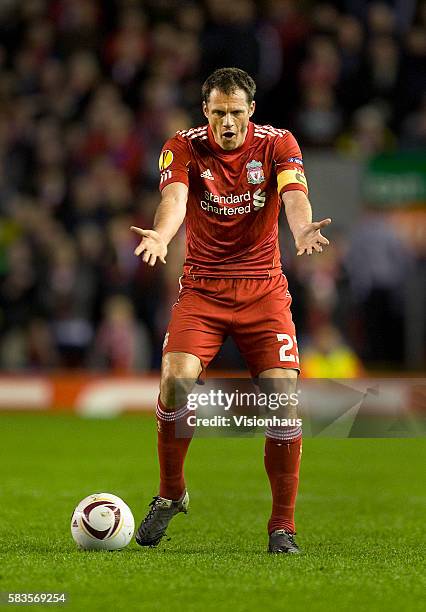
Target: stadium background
(89,91)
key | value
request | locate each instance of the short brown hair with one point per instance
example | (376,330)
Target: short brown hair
(228,80)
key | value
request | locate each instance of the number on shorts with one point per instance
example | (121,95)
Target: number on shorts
(285,349)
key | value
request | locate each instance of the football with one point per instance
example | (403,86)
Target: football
(102,521)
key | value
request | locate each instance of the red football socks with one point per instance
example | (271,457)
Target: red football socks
(174,436)
(283,448)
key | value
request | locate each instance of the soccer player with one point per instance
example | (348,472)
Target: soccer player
(228,179)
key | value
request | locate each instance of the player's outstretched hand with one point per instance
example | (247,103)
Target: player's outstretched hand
(151,245)
(310,238)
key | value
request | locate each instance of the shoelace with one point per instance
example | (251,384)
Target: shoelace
(153,508)
(151,514)
(289,535)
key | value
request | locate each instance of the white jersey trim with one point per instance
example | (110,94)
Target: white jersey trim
(261,131)
(199,132)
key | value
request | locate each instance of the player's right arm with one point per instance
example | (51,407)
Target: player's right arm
(174,164)
(168,219)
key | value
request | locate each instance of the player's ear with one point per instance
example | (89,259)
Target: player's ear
(205,110)
(252,107)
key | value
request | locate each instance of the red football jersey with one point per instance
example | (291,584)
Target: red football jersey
(234,198)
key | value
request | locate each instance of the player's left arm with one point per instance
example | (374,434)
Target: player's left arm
(307,233)
(293,191)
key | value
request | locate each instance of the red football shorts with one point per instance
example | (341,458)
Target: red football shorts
(254,312)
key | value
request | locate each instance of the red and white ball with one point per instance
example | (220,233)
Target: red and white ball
(102,521)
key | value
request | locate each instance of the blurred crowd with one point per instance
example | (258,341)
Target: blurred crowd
(89,92)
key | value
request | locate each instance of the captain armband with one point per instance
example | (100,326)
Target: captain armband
(292,177)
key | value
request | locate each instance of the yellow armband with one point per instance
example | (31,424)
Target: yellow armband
(295,177)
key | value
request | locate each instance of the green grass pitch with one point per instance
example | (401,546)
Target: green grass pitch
(360,520)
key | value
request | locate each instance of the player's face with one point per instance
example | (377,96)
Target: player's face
(228,117)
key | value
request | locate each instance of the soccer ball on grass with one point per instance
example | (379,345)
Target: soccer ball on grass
(102,521)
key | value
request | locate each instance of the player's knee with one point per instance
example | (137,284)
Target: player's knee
(280,384)
(280,373)
(174,390)
(278,378)
(178,377)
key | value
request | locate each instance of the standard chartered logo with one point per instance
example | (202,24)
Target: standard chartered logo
(259,199)
(218,203)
